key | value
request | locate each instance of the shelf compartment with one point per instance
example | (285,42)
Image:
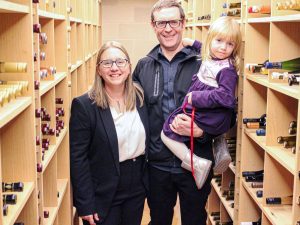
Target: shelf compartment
(225,203)
(283,13)
(252,193)
(73,43)
(29,213)
(278,181)
(258,78)
(52,215)
(11,7)
(64,211)
(61,188)
(74,84)
(248,208)
(280,108)
(22,198)
(286,159)
(50,15)
(53,149)
(45,86)
(60,36)
(11,110)
(257,3)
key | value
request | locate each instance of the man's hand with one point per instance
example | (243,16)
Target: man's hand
(91,218)
(187,42)
(182,125)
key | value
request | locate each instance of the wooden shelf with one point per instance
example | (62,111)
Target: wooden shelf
(52,215)
(50,15)
(12,109)
(225,203)
(232,167)
(279,214)
(15,210)
(259,79)
(10,7)
(47,85)
(61,188)
(252,193)
(285,157)
(292,91)
(52,149)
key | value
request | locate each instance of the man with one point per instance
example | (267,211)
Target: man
(165,75)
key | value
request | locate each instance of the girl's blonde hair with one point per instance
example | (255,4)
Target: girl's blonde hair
(225,27)
(98,94)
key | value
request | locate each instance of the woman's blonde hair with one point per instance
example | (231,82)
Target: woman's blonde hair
(98,94)
(226,27)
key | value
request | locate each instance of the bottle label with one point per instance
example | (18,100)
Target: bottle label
(273,65)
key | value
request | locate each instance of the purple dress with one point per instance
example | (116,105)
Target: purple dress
(213,97)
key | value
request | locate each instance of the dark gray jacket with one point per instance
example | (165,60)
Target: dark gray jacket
(148,73)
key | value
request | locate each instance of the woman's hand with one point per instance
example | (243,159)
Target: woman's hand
(182,125)
(91,218)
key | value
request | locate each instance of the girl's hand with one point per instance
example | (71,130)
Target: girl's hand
(189,95)
(187,42)
(91,218)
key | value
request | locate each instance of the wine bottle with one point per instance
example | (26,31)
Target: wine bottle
(12,67)
(259,193)
(43,38)
(259,177)
(261,132)
(292,130)
(281,139)
(10,199)
(264,9)
(287,200)
(36,85)
(257,184)
(293,79)
(19,223)
(18,186)
(5,209)
(59,101)
(232,5)
(252,173)
(37,28)
(234,12)
(293,124)
(46,214)
(39,167)
(256,125)
(261,119)
(214,213)
(289,144)
(292,64)
(251,223)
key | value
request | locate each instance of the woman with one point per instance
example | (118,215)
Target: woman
(108,130)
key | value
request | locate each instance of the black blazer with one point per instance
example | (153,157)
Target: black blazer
(94,155)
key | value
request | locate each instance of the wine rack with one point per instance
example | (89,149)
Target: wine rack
(56,41)
(269,33)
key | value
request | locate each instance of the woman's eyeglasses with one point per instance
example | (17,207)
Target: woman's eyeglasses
(108,63)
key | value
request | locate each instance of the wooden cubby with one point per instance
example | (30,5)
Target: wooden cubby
(273,37)
(45,173)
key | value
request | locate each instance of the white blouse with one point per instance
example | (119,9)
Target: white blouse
(131,134)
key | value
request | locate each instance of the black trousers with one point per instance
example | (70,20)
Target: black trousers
(128,204)
(164,187)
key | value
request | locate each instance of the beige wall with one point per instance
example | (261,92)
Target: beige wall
(128,21)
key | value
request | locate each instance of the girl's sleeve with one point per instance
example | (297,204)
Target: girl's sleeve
(223,96)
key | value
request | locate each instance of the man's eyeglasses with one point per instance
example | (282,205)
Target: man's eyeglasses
(108,63)
(163,24)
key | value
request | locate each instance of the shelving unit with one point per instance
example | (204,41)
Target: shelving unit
(71,44)
(273,36)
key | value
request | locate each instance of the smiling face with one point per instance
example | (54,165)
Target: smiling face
(114,77)
(169,38)
(221,47)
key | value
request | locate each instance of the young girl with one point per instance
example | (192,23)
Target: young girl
(212,94)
